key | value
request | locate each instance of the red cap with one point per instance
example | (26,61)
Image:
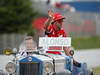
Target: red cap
(58,16)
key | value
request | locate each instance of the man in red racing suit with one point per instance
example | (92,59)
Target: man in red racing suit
(53,28)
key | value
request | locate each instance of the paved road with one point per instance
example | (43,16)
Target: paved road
(90,56)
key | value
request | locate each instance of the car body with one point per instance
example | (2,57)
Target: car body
(41,63)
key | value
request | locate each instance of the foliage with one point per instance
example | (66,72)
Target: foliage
(86,43)
(96,70)
(16,16)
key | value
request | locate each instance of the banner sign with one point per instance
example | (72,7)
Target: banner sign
(54,41)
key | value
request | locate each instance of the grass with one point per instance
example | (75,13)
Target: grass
(96,71)
(86,43)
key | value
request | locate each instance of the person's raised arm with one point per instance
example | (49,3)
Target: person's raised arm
(49,20)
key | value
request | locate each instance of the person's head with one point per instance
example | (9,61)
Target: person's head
(58,18)
(29,43)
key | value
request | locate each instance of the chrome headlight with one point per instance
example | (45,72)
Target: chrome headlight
(48,67)
(10,67)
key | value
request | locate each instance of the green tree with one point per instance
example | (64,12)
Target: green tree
(16,16)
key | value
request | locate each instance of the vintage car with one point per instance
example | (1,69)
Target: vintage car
(41,63)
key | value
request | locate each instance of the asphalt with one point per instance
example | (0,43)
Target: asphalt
(90,56)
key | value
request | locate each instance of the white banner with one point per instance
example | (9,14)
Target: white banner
(54,41)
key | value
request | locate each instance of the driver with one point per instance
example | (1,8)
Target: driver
(27,46)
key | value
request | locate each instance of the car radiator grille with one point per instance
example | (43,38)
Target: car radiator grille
(30,68)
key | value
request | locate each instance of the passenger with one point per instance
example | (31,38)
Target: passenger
(53,28)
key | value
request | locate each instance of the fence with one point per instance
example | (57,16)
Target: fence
(82,24)
(10,41)
(77,24)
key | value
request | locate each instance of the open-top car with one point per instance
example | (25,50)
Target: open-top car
(38,62)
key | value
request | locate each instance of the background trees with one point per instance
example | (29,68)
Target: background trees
(16,16)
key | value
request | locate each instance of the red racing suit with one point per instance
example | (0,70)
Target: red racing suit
(52,32)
